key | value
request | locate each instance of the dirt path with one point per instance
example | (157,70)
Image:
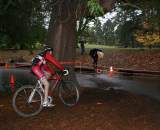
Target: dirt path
(97,110)
(118,58)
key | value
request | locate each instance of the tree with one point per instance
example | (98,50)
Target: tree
(98,32)
(143,16)
(82,28)
(22,23)
(150,24)
(109,32)
(62,27)
(59,38)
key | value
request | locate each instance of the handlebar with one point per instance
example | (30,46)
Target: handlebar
(66,72)
(60,74)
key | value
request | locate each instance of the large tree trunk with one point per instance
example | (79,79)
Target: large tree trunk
(62,38)
(61,35)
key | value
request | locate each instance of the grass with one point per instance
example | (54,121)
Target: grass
(115,48)
(97,46)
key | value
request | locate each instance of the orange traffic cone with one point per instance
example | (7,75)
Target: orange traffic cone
(12,82)
(111,69)
(6,66)
(110,73)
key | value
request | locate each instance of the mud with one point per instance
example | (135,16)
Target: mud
(96,110)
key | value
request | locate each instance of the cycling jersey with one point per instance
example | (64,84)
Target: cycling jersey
(39,64)
(39,59)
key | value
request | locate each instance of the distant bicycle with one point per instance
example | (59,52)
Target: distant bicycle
(27,101)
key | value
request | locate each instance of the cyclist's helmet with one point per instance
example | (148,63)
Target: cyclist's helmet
(47,48)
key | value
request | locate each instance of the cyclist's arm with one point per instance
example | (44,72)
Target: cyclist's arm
(50,58)
(48,69)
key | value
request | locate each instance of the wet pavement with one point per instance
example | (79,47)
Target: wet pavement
(21,76)
(142,85)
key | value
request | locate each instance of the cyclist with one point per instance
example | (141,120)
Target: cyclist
(96,54)
(43,71)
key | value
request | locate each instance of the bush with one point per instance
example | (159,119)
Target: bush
(4,41)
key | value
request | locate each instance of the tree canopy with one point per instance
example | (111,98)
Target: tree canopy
(24,23)
(136,24)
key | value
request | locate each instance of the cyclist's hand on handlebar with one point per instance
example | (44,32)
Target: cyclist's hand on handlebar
(65,72)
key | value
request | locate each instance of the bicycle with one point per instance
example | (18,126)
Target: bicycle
(27,101)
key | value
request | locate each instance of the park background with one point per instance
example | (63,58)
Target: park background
(129,35)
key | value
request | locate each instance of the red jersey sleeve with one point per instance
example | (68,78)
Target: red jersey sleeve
(48,69)
(50,58)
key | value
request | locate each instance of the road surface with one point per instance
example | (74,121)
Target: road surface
(148,86)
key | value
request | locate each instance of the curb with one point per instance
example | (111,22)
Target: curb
(124,71)
(139,71)
(90,69)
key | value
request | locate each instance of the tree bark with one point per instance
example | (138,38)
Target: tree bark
(62,38)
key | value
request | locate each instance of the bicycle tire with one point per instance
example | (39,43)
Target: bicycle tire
(37,97)
(68,93)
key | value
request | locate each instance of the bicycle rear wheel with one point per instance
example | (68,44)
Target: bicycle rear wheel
(68,93)
(27,101)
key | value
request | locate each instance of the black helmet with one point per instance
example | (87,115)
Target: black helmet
(47,48)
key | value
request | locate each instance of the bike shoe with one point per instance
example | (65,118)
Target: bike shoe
(48,104)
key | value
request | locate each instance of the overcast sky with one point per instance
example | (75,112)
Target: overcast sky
(106,17)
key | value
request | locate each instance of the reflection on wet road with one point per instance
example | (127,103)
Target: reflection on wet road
(149,86)
(21,76)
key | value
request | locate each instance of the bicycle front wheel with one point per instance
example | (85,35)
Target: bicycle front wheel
(27,101)
(68,93)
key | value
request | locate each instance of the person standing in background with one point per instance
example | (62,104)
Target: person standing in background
(96,54)
(82,42)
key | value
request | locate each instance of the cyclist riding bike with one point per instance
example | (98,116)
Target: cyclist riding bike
(43,71)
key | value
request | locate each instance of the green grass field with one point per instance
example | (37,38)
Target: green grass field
(97,46)
(114,48)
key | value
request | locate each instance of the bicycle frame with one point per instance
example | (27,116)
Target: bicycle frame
(57,78)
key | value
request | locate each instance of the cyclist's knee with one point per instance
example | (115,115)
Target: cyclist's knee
(45,82)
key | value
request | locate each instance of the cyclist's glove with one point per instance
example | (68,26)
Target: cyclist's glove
(65,72)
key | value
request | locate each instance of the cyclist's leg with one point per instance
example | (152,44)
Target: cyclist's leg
(48,72)
(47,99)
(47,69)
(46,102)
(39,73)
(46,88)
